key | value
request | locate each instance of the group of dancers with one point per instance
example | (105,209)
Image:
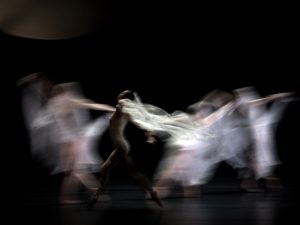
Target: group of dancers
(237,128)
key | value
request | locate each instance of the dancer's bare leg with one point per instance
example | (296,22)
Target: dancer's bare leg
(88,180)
(115,157)
(70,185)
(142,180)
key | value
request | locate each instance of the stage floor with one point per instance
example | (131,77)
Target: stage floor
(217,204)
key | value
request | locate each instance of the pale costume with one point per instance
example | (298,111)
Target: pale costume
(263,121)
(38,121)
(63,135)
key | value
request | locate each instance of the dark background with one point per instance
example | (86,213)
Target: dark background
(171,53)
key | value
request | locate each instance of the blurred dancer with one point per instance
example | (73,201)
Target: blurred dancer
(263,115)
(191,158)
(36,90)
(69,136)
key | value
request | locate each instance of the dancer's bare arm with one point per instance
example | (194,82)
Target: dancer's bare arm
(270,98)
(93,105)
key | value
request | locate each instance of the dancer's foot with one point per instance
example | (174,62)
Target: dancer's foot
(93,201)
(95,198)
(155,198)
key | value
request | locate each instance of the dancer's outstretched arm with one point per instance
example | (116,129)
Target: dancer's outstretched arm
(93,105)
(270,98)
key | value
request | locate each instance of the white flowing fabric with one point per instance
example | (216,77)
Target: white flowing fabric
(191,151)
(153,118)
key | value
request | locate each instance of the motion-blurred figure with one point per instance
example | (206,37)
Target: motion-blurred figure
(190,159)
(36,90)
(263,115)
(71,133)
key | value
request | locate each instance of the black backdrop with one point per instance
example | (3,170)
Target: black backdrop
(171,54)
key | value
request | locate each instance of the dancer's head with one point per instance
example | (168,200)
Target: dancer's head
(124,94)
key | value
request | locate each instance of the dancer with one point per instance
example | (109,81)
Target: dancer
(118,123)
(64,137)
(263,122)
